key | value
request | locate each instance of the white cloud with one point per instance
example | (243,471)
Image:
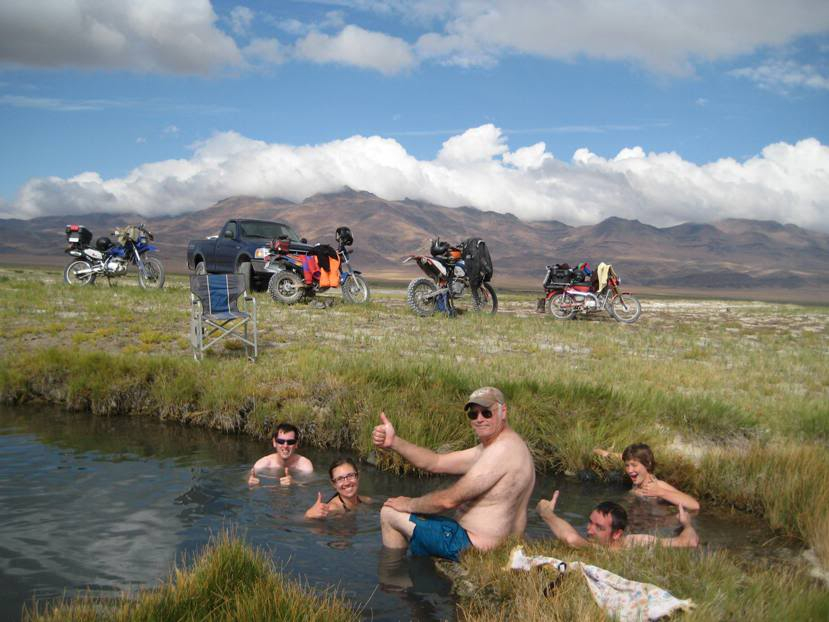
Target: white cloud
(784,75)
(241,17)
(265,52)
(170,130)
(786,182)
(358,47)
(665,36)
(142,35)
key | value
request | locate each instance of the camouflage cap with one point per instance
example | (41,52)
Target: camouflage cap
(486,397)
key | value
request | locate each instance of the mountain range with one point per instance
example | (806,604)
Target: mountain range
(730,256)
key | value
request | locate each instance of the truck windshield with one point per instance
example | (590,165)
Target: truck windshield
(266,230)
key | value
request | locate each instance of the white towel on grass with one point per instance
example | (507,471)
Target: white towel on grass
(620,598)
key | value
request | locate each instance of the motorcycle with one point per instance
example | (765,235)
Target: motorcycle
(112,260)
(576,297)
(446,282)
(294,279)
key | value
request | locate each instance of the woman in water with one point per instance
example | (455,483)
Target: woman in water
(345,478)
(639,465)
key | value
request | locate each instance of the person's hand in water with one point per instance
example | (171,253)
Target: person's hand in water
(383,434)
(319,509)
(252,479)
(545,506)
(286,480)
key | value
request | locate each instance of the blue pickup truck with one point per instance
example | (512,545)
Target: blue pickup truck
(239,247)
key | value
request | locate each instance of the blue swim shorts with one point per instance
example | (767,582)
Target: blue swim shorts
(438,536)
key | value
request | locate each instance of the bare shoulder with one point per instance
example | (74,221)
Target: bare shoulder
(303,465)
(265,462)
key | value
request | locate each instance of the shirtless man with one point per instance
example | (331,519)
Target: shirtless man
(606,527)
(284,460)
(491,498)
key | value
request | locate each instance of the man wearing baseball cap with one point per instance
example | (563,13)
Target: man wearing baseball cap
(490,499)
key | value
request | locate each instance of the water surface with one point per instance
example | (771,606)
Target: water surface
(112,503)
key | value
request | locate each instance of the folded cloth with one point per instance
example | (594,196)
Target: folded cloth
(620,598)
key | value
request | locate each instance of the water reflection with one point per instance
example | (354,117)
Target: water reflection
(113,503)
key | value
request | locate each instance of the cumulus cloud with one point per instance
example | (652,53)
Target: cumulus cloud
(786,182)
(662,35)
(143,35)
(355,46)
(784,75)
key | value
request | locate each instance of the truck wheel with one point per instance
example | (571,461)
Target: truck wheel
(246,270)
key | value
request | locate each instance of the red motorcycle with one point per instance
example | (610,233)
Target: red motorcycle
(568,294)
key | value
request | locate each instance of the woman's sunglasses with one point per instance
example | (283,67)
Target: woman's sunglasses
(286,441)
(473,413)
(345,478)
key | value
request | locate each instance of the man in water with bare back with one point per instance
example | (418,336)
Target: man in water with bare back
(490,498)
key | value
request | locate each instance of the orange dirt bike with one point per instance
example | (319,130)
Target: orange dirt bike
(582,298)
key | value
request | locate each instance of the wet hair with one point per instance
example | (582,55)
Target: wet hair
(338,463)
(619,518)
(287,428)
(642,454)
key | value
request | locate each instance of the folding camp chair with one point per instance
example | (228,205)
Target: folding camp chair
(215,314)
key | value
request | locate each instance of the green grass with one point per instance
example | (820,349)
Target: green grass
(721,587)
(228,581)
(732,396)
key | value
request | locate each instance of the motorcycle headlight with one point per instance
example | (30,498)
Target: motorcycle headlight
(262,252)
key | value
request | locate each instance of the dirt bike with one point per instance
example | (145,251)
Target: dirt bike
(581,298)
(112,260)
(446,282)
(293,280)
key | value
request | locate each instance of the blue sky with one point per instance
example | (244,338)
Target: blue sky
(549,109)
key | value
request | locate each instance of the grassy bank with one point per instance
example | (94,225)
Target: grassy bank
(721,588)
(229,581)
(732,396)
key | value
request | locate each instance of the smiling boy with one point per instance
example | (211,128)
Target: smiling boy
(284,460)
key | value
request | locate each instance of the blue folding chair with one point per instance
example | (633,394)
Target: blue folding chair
(215,313)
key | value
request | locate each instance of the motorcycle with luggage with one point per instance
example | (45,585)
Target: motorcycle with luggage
(569,292)
(300,270)
(453,273)
(112,260)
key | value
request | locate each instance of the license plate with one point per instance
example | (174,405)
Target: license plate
(74,239)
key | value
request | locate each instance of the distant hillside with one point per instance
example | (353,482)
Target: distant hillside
(727,255)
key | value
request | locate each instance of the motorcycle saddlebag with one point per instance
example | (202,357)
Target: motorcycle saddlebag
(83,235)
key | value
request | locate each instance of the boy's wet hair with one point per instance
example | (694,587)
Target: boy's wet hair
(338,463)
(287,428)
(642,454)
(618,516)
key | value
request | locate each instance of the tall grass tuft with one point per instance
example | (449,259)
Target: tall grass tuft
(228,581)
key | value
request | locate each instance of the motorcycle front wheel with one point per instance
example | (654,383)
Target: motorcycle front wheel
(484,299)
(562,306)
(286,287)
(154,277)
(78,272)
(625,308)
(355,289)
(417,296)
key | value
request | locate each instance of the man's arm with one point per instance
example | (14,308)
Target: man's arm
(484,474)
(561,528)
(687,538)
(453,463)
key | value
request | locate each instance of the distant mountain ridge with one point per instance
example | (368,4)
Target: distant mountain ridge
(733,253)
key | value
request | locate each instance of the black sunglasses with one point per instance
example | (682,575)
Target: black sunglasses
(473,413)
(286,441)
